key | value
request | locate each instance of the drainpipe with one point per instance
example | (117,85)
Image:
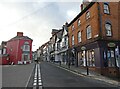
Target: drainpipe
(100,31)
(100,21)
(17,50)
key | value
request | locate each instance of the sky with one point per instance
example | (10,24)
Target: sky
(35,18)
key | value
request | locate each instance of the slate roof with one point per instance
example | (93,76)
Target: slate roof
(20,37)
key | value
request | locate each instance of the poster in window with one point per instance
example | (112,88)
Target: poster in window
(112,53)
(108,54)
(105,55)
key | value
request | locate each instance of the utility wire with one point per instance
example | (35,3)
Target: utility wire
(25,17)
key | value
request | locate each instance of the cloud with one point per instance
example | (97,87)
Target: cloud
(35,19)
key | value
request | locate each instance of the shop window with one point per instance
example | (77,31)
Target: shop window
(108,28)
(106,8)
(91,58)
(111,58)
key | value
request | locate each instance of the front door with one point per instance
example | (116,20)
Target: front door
(25,57)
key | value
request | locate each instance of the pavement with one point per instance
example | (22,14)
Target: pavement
(92,74)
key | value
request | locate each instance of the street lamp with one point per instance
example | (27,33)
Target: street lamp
(83,48)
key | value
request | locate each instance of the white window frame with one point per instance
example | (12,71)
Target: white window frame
(106,8)
(79,37)
(108,28)
(89,32)
(28,47)
(87,15)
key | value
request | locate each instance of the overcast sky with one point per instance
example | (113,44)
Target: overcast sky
(34,18)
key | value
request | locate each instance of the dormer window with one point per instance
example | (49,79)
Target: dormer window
(106,8)
(73,27)
(87,15)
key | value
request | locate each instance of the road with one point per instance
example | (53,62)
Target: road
(16,75)
(47,76)
(53,76)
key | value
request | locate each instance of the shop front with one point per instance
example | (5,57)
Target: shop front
(100,56)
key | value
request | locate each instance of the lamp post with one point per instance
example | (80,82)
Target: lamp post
(83,48)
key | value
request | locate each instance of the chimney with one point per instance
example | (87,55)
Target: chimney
(19,33)
(82,7)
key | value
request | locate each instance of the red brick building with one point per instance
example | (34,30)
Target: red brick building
(94,34)
(19,49)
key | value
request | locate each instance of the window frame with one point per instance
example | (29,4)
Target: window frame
(79,22)
(108,30)
(73,39)
(79,35)
(87,15)
(89,31)
(106,8)
(28,47)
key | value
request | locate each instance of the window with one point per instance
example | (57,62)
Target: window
(106,8)
(79,36)
(111,58)
(89,34)
(4,50)
(0,51)
(108,29)
(91,57)
(73,27)
(72,40)
(87,15)
(26,48)
(79,22)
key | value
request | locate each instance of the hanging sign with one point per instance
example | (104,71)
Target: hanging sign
(111,44)
(83,48)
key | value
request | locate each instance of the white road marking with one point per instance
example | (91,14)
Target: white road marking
(39,80)
(34,84)
(39,84)
(37,77)
(35,81)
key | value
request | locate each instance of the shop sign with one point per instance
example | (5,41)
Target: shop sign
(83,48)
(111,44)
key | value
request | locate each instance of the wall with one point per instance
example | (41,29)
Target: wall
(93,21)
(113,18)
